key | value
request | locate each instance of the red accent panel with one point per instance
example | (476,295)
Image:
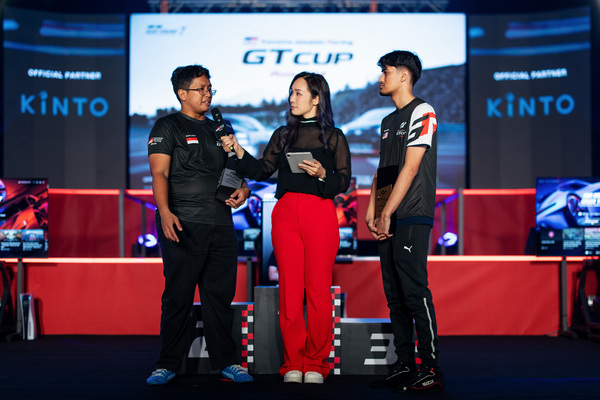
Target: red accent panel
(498,223)
(362,202)
(83,225)
(100,298)
(495,221)
(472,296)
(86,223)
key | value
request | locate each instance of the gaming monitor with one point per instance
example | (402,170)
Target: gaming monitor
(23,218)
(568,216)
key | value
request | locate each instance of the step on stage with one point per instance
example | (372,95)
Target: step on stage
(358,346)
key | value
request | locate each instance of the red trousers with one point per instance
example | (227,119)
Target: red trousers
(305,239)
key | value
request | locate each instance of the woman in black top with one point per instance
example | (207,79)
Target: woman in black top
(305,230)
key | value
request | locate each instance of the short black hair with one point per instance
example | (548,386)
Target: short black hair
(401,58)
(182,77)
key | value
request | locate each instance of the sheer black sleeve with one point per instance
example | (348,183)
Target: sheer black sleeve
(262,169)
(338,180)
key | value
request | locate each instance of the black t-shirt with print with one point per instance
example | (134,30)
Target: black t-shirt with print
(413,125)
(197,160)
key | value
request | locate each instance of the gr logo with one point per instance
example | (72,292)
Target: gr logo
(386,351)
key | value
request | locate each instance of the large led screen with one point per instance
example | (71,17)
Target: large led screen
(65,96)
(529,80)
(253,57)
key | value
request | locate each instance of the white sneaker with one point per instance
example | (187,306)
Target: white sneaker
(294,376)
(313,377)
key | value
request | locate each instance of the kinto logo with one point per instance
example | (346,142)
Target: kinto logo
(43,104)
(511,106)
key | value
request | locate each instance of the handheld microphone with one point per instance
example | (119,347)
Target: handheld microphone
(224,128)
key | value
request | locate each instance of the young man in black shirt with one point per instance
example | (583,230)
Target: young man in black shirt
(195,230)
(402,223)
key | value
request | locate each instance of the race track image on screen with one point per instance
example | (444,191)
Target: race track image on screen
(252,65)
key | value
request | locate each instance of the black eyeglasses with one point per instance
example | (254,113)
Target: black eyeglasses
(203,90)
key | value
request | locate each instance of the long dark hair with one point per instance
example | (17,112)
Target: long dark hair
(318,86)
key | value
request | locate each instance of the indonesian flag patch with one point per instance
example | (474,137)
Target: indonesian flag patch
(192,140)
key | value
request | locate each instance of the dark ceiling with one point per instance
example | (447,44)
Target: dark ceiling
(142,6)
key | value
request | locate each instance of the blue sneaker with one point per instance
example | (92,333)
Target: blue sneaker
(160,377)
(237,374)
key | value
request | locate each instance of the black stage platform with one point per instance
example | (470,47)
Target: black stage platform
(116,367)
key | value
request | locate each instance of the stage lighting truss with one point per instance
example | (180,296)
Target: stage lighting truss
(272,6)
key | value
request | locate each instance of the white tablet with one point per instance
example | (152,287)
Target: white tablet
(296,158)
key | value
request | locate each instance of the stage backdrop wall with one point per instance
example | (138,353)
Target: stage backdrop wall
(495,293)
(84,223)
(473,295)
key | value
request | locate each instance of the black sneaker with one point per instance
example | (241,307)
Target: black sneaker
(427,379)
(399,374)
